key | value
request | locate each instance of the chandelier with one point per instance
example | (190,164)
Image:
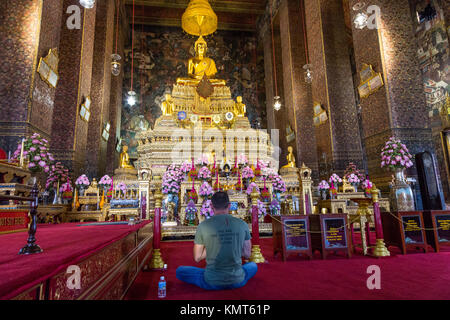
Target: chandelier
(88,4)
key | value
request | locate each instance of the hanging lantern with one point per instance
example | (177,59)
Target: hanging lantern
(115,64)
(308,73)
(360,20)
(277,103)
(88,4)
(131,98)
(199,18)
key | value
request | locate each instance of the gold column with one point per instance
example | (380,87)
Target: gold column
(380,249)
(256,255)
(156,261)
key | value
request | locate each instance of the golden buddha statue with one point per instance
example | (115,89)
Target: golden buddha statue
(200,66)
(167,106)
(124,161)
(239,107)
(290,158)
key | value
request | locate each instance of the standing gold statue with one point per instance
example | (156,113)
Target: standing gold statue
(200,66)
(290,158)
(167,106)
(239,107)
(125,159)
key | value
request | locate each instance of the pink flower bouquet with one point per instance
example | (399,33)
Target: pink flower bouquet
(252,186)
(105,182)
(353,179)
(278,184)
(204,173)
(242,160)
(335,179)
(247,173)
(36,152)
(82,182)
(206,190)
(323,185)
(207,209)
(395,155)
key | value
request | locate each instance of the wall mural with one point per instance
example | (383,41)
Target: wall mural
(433,51)
(160,56)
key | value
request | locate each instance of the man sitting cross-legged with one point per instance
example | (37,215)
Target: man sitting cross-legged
(223,240)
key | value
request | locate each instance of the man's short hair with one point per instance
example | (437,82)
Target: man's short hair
(220,200)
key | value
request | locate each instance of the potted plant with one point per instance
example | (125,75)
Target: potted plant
(206,210)
(191,213)
(353,180)
(204,173)
(275,207)
(35,152)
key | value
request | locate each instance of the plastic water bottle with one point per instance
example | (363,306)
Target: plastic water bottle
(162,287)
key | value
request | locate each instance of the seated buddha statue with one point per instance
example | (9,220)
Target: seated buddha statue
(124,161)
(290,159)
(167,106)
(200,66)
(239,107)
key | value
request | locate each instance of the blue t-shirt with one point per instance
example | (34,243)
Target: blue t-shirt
(223,237)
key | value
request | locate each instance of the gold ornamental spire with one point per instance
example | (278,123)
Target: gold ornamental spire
(199,18)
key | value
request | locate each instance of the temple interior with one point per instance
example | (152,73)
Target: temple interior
(322,117)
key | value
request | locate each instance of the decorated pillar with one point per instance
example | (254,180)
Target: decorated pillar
(335,113)
(297,92)
(256,255)
(156,261)
(396,105)
(99,131)
(31,29)
(69,134)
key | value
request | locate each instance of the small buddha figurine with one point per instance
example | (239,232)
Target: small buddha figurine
(290,158)
(167,106)
(200,66)
(239,107)
(125,159)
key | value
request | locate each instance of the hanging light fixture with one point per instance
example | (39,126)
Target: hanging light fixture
(131,94)
(277,103)
(88,4)
(276,98)
(361,18)
(115,64)
(307,66)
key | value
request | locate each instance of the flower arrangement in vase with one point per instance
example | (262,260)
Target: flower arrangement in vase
(172,179)
(35,152)
(335,179)
(205,190)
(204,173)
(265,194)
(352,169)
(122,187)
(353,179)
(395,156)
(82,183)
(367,185)
(57,175)
(191,212)
(323,189)
(193,171)
(206,209)
(105,182)
(247,173)
(278,184)
(275,207)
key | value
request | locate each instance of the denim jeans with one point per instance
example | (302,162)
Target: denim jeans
(194,275)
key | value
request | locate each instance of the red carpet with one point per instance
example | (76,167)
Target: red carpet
(412,276)
(63,245)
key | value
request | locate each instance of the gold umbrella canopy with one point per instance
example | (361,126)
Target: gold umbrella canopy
(199,18)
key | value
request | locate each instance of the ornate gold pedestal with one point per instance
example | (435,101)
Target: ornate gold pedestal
(256,255)
(380,249)
(156,262)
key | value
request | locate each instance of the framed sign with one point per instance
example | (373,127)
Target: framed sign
(412,229)
(329,234)
(291,235)
(443,228)
(371,81)
(334,233)
(48,68)
(320,114)
(295,235)
(85,112)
